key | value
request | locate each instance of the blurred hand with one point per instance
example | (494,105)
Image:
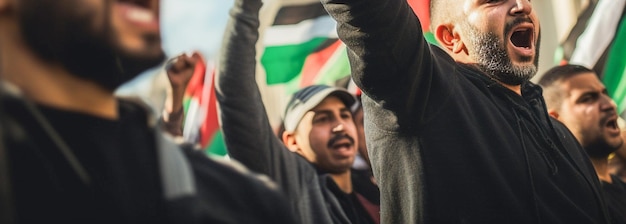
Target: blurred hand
(181,69)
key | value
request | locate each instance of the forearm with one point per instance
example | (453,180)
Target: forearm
(173,122)
(246,128)
(382,38)
(178,94)
(390,59)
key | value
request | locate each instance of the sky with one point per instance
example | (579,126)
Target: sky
(193,24)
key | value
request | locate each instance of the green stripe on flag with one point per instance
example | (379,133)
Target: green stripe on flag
(283,63)
(216,146)
(430,37)
(186,102)
(615,69)
(337,69)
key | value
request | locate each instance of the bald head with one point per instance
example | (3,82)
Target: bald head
(441,12)
(501,38)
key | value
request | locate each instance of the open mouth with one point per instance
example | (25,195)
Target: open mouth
(341,144)
(522,38)
(343,149)
(612,124)
(142,13)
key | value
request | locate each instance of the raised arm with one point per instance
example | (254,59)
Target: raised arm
(247,132)
(391,61)
(179,72)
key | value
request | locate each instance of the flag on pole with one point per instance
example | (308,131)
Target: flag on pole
(201,122)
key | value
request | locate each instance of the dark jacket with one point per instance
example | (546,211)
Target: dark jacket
(448,144)
(248,134)
(615,196)
(155,182)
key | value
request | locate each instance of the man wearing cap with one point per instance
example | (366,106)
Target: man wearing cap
(312,162)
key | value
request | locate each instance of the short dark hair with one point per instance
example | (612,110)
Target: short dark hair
(552,78)
(561,72)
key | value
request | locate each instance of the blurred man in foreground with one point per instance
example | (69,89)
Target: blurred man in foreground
(77,153)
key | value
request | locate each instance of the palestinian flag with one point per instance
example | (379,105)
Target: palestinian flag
(598,41)
(302,44)
(201,122)
(301,48)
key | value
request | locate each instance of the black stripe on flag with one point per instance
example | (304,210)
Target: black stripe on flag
(581,23)
(295,14)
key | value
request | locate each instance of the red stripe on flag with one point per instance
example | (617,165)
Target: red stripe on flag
(196,90)
(422,9)
(211,124)
(314,63)
(196,84)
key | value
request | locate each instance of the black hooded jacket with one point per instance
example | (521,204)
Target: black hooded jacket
(122,171)
(450,145)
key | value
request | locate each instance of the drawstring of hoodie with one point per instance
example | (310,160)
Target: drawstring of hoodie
(539,137)
(529,170)
(547,148)
(545,134)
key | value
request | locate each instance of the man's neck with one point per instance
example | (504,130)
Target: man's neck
(52,85)
(617,166)
(515,88)
(343,181)
(601,165)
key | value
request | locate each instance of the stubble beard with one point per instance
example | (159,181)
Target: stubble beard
(601,148)
(58,34)
(491,56)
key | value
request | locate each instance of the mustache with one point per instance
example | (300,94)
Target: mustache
(339,137)
(518,20)
(608,116)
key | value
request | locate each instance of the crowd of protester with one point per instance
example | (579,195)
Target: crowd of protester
(455,133)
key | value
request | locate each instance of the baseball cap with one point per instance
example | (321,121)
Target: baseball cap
(309,97)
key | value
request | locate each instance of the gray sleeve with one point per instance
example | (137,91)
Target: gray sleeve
(390,59)
(247,132)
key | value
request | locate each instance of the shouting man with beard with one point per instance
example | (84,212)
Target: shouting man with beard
(575,96)
(456,133)
(77,154)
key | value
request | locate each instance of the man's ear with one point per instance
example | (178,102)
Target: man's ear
(289,139)
(449,38)
(553,113)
